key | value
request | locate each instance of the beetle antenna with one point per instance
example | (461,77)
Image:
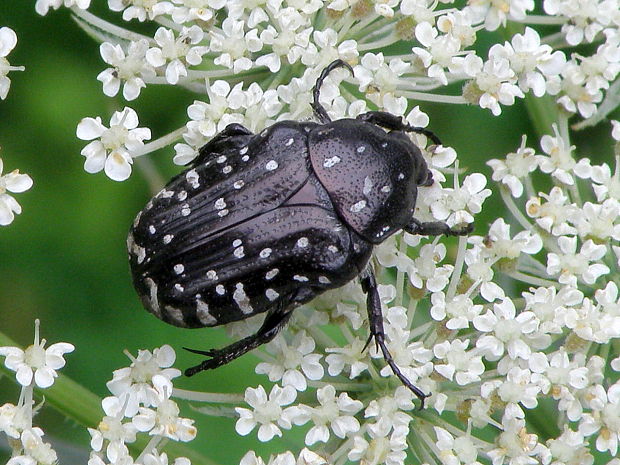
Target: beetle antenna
(319,110)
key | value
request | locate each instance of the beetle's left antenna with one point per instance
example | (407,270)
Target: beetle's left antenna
(319,111)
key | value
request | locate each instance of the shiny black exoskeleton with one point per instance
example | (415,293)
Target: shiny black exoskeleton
(266,222)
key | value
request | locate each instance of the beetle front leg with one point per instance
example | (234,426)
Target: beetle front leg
(375,319)
(270,328)
(395,123)
(436,228)
(319,111)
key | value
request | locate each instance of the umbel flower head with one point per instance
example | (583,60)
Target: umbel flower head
(36,364)
(508,329)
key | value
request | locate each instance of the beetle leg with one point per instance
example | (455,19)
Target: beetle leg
(375,319)
(436,228)
(221,140)
(395,123)
(319,111)
(272,325)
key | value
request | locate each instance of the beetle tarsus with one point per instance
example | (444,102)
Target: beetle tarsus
(272,325)
(437,228)
(375,319)
(319,110)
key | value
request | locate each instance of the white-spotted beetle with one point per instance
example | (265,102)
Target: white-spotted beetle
(266,222)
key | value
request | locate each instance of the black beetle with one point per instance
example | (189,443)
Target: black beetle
(266,222)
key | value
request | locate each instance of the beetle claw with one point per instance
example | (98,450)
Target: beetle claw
(208,353)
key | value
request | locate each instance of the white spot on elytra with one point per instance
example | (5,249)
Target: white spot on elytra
(401,176)
(385,228)
(271,294)
(168,238)
(202,312)
(358,207)
(192,178)
(237,242)
(223,213)
(212,275)
(221,290)
(239,252)
(244,150)
(384,144)
(329,162)
(220,204)
(271,165)
(153,301)
(302,242)
(152,229)
(227,169)
(367,185)
(166,194)
(265,253)
(386,189)
(300,278)
(182,195)
(175,314)
(221,159)
(271,274)
(242,299)
(332,248)
(245,158)
(178,287)
(238,184)
(185,210)
(136,220)
(178,269)
(289,142)
(360,149)
(324,280)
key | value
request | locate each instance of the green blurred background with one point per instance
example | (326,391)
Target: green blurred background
(63,260)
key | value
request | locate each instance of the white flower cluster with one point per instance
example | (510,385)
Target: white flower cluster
(203,44)
(112,148)
(141,403)
(35,366)
(518,321)
(491,353)
(14,181)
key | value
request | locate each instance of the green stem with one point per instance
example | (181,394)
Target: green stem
(79,404)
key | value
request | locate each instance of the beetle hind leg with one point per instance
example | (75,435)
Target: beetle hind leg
(272,325)
(375,319)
